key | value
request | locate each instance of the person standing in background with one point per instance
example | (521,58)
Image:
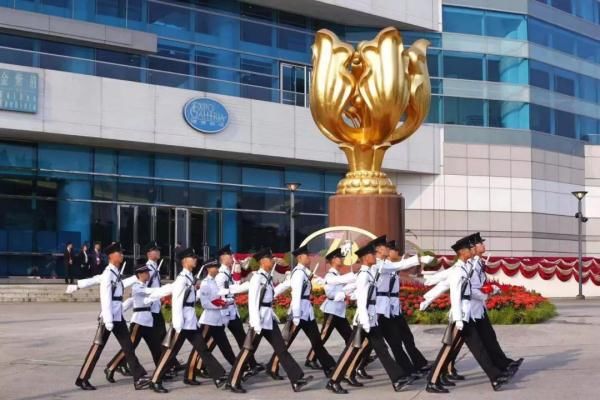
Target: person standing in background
(96,260)
(83,260)
(68,260)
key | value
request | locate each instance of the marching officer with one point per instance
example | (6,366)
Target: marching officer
(228,288)
(366,328)
(302,315)
(334,307)
(478,300)
(143,324)
(184,325)
(211,322)
(263,323)
(111,320)
(461,325)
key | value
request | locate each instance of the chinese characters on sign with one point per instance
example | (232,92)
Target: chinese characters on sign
(18,91)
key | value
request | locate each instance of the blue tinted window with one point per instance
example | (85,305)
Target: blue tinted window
(539,75)
(506,69)
(435,110)
(564,124)
(564,5)
(588,88)
(66,158)
(505,25)
(508,114)
(462,20)
(565,83)
(174,167)
(17,155)
(540,119)
(463,65)
(587,126)
(169,20)
(538,32)
(463,111)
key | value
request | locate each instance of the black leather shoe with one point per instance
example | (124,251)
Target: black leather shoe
(84,384)
(179,367)
(336,388)
(433,388)
(169,375)
(314,364)
(402,383)
(191,382)
(236,388)
(202,373)
(516,363)
(328,372)
(219,382)
(124,370)
(141,383)
(416,375)
(498,383)
(455,377)
(110,375)
(362,373)
(444,381)
(275,376)
(299,384)
(259,367)
(158,387)
(426,368)
(371,358)
(352,381)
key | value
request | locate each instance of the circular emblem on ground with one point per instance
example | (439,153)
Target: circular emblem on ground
(205,115)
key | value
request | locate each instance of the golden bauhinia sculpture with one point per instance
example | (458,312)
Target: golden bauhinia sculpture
(358,99)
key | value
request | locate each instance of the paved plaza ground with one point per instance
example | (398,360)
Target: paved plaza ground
(42,346)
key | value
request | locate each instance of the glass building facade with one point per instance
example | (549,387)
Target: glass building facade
(55,193)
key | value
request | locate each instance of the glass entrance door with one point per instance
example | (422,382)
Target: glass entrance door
(293,84)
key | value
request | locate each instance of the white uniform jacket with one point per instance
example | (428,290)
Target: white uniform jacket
(260,311)
(211,314)
(478,298)
(154,282)
(301,307)
(111,294)
(388,284)
(228,288)
(142,311)
(365,315)
(335,291)
(460,308)
(183,302)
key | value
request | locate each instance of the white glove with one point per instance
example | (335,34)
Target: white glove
(495,289)
(318,280)
(296,321)
(246,262)
(426,259)
(257,330)
(71,289)
(178,330)
(423,306)
(459,325)
(109,326)
(237,269)
(223,292)
(198,324)
(127,304)
(339,296)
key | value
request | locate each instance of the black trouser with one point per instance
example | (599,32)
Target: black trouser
(273,336)
(215,370)
(354,346)
(68,274)
(311,330)
(488,336)
(331,322)
(392,333)
(408,340)
(136,333)
(236,327)
(122,334)
(477,348)
(213,336)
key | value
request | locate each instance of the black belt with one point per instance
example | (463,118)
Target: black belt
(189,304)
(466,297)
(266,304)
(305,297)
(371,302)
(138,309)
(387,294)
(117,298)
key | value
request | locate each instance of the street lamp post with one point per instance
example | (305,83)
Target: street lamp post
(292,187)
(580,220)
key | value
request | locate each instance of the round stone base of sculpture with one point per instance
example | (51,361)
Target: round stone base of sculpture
(379,214)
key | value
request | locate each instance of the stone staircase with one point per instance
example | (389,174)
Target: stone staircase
(23,290)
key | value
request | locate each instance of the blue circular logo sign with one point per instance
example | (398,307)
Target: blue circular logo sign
(205,115)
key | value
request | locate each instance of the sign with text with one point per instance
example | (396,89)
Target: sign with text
(18,91)
(205,115)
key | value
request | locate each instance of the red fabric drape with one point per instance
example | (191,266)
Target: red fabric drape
(564,268)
